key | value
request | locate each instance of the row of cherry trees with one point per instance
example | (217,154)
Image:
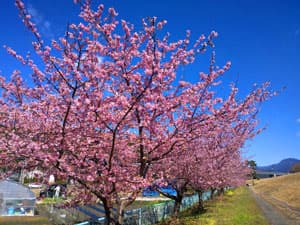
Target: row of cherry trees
(105,107)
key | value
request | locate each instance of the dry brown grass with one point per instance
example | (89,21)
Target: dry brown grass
(36,191)
(284,188)
(24,220)
(282,192)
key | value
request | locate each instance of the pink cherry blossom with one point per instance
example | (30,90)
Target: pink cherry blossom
(115,127)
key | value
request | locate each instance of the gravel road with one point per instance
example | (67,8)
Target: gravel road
(274,216)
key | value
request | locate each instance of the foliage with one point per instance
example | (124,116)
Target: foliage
(106,109)
(28,180)
(252,165)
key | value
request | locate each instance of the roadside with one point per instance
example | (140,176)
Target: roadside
(282,193)
(274,216)
(24,220)
(236,207)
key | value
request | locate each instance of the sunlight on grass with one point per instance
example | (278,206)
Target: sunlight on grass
(236,207)
(229,192)
(52,200)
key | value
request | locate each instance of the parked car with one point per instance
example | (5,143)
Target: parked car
(49,192)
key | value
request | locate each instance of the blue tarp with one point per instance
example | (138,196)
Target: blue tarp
(151,192)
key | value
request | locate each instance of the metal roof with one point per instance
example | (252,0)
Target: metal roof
(13,190)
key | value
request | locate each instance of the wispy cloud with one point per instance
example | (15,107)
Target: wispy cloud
(298,120)
(298,134)
(39,19)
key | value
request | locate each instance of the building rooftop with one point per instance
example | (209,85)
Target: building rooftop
(13,190)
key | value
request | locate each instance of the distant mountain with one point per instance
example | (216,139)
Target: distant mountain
(283,166)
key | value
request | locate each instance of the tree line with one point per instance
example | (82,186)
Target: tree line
(105,107)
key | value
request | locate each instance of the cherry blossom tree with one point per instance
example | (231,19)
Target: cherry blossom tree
(105,107)
(211,158)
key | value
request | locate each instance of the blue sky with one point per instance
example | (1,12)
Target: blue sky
(260,38)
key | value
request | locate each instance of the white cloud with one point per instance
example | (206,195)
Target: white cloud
(298,120)
(42,24)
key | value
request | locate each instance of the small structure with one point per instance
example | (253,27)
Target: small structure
(16,199)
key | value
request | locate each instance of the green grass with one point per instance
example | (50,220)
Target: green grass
(24,220)
(236,207)
(52,200)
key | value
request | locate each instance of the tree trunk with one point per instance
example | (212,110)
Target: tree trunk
(22,176)
(180,190)
(121,212)
(200,202)
(213,191)
(222,191)
(177,204)
(110,220)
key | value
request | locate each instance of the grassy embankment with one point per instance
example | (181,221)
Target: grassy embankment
(284,188)
(236,207)
(283,192)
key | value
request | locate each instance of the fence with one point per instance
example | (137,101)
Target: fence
(148,215)
(94,214)
(61,216)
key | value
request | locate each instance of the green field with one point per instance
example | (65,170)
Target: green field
(236,207)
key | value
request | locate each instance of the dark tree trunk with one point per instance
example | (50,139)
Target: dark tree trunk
(200,202)
(180,190)
(110,220)
(222,191)
(177,204)
(213,191)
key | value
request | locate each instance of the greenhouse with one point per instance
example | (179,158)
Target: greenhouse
(16,199)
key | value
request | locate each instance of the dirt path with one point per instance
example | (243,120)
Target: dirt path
(274,216)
